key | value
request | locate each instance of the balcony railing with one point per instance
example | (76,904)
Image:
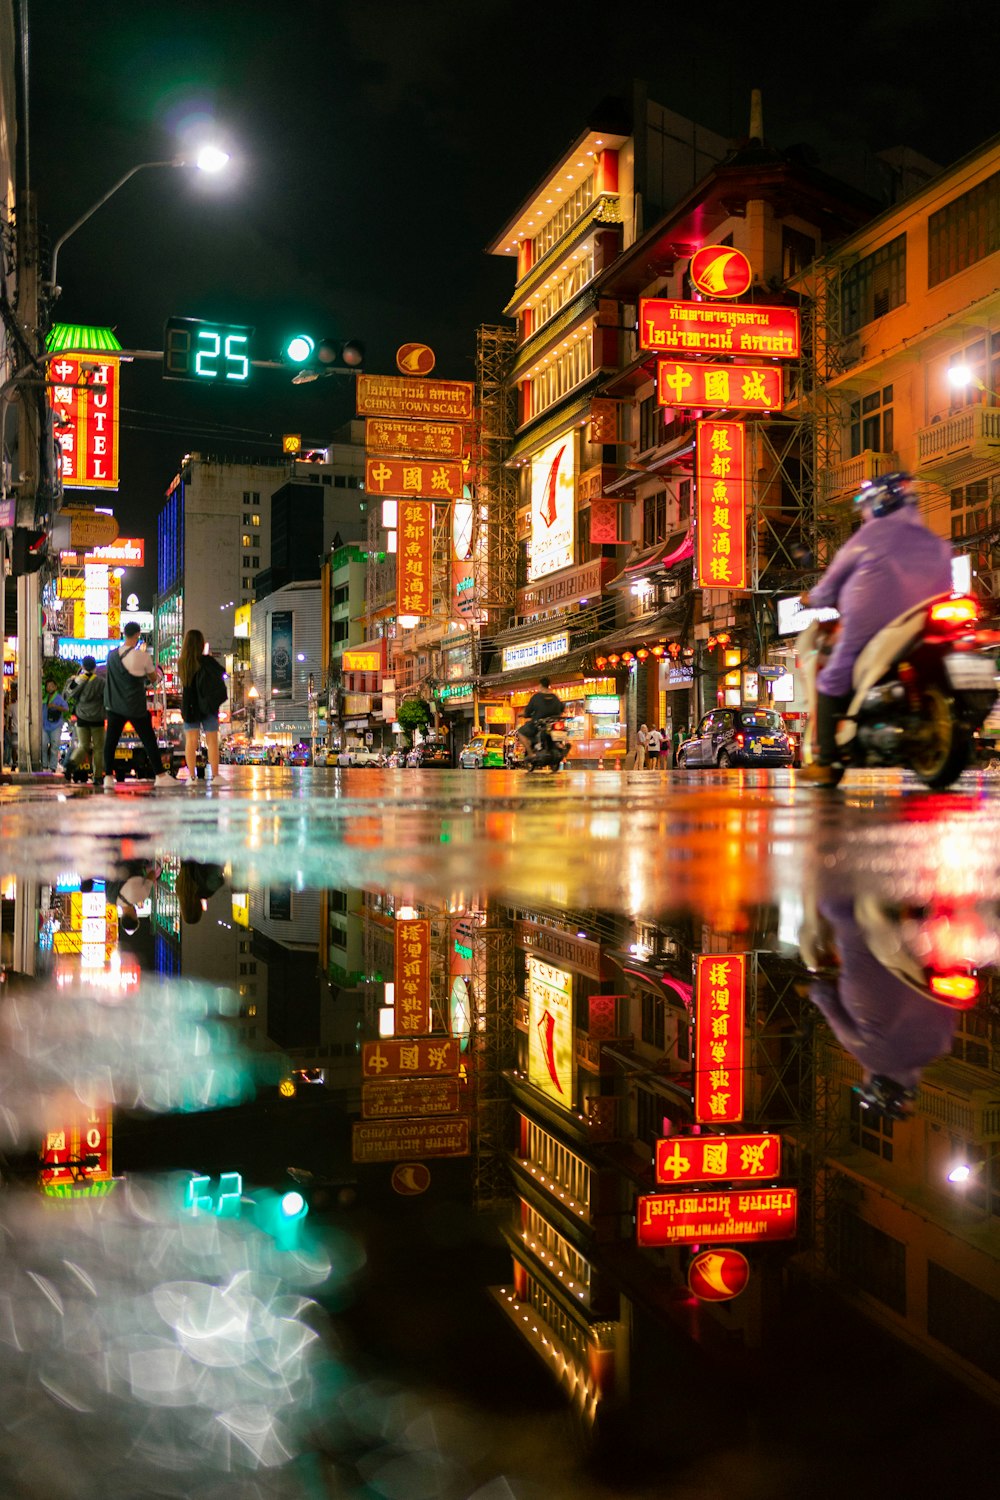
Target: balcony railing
(959,448)
(847,478)
(584,582)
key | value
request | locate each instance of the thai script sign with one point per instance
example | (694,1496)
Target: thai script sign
(394,1097)
(714,1218)
(719,1019)
(533,653)
(398,396)
(397,435)
(711,328)
(720,478)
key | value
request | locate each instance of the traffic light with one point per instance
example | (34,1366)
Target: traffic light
(317,358)
(30,550)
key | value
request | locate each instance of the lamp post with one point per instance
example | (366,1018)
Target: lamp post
(962,376)
(252,696)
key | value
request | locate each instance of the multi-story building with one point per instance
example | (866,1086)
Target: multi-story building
(286,663)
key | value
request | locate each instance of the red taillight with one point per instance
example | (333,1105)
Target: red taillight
(740,741)
(955,611)
(957,989)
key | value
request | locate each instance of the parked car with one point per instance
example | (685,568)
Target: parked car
(482,750)
(429,755)
(301,755)
(737,737)
(359,755)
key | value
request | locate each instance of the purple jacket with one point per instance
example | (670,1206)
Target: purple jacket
(887,567)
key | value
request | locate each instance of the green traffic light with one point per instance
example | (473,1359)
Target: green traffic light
(293,1206)
(299,348)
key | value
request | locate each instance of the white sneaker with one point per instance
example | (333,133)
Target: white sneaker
(208,775)
(109,783)
(164,779)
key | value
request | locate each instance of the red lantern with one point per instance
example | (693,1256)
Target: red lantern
(642,653)
(675,649)
(724,638)
(659,650)
(614,659)
(627,656)
(600,662)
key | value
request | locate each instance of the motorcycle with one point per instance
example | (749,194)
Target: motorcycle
(923,686)
(551,746)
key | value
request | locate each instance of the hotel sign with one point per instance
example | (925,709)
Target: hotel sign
(534,653)
(399,476)
(720,483)
(681,1160)
(396,435)
(717,1218)
(734,387)
(719,1020)
(711,328)
(400,396)
(85,407)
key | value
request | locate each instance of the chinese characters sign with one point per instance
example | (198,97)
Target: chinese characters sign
(708,328)
(720,478)
(414,556)
(425,1057)
(719,1020)
(735,387)
(86,419)
(422,439)
(681,1160)
(395,476)
(401,396)
(413,977)
(553,505)
(87,1135)
(407,1140)
(550,1031)
(714,1218)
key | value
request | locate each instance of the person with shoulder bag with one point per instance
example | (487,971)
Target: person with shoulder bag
(203,692)
(86,696)
(130,667)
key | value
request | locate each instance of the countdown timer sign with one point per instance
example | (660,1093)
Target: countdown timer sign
(210,353)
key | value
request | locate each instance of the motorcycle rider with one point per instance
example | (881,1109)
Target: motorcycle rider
(891,563)
(541,705)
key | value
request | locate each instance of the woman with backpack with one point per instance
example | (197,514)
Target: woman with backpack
(203,692)
(85,692)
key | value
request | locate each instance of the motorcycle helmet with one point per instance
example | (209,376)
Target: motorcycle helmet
(886,494)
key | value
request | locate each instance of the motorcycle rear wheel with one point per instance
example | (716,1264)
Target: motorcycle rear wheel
(944,747)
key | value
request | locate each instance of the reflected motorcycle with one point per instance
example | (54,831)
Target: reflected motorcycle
(923,686)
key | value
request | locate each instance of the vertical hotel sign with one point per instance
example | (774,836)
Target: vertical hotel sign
(415,522)
(85,406)
(413,977)
(719,1042)
(720,474)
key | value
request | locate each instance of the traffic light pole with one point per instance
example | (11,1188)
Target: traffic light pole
(29,459)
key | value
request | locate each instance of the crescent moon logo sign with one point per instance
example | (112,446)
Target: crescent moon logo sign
(718,1275)
(720,271)
(414,359)
(410,1178)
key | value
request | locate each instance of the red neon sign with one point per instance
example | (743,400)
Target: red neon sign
(681,1160)
(729,387)
(413,977)
(669,327)
(720,271)
(720,478)
(714,1218)
(718,1275)
(719,1019)
(86,419)
(414,557)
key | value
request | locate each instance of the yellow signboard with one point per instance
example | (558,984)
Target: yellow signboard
(550,1031)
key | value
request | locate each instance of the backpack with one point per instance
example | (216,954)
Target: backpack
(88,701)
(210,686)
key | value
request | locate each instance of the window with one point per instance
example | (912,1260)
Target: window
(341,629)
(650,424)
(340,481)
(338,937)
(246,541)
(875,285)
(654,518)
(684,500)
(256,498)
(798,250)
(340,593)
(569,213)
(562,374)
(964,231)
(972,1038)
(982,358)
(649,1112)
(246,560)
(255,561)
(547,304)
(871,1129)
(872,429)
(246,521)
(255,520)
(653,1010)
(872,1261)
(247,582)
(337,900)
(972,515)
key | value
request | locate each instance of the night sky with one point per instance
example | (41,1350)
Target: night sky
(377,147)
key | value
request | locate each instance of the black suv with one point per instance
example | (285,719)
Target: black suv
(737,737)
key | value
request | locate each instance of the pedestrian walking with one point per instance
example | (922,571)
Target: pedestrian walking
(85,692)
(203,692)
(54,709)
(679,736)
(654,744)
(10,730)
(130,668)
(641,741)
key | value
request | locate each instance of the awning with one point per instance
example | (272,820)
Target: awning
(655,560)
(571,663)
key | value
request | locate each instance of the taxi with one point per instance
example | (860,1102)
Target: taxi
(483,750)
(743,737)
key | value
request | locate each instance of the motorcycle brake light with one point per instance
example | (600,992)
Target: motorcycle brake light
(960,989)
(740,741)
(955,611)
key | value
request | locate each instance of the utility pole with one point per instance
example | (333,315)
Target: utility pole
(29,464)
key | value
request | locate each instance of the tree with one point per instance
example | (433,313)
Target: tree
(413,713)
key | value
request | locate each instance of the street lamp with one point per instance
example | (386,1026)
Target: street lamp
(253,695)
(208,159)
(962,376)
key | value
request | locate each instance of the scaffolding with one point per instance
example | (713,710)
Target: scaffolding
(494,556)
(493,993)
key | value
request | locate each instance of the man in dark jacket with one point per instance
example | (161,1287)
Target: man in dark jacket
(541,705)
(129,669)
(85,692)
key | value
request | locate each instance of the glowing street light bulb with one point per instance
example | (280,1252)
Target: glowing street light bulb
(960,375)
(211,159)
(960,1173)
